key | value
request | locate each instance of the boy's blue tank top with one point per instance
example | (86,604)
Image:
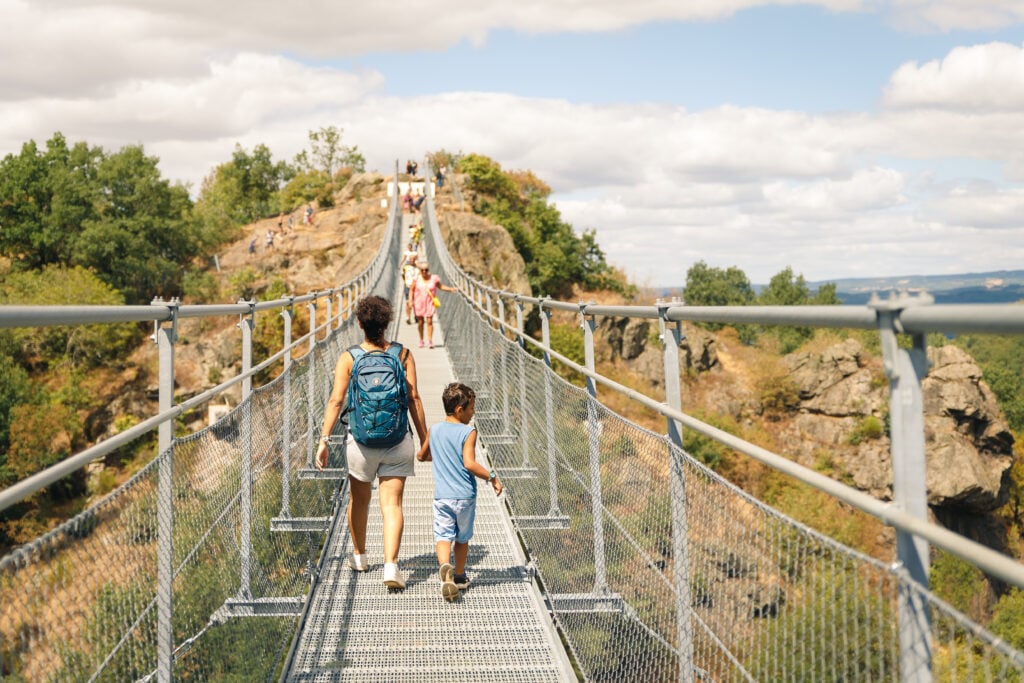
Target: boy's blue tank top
(451,478)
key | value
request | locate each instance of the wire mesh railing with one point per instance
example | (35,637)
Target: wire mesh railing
(237,509)
(658,569)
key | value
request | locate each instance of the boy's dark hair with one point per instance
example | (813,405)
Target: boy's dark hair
(456,395)
(374,315)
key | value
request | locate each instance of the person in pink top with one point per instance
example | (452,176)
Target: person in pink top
(424,289)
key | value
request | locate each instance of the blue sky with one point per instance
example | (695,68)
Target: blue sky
(797,57)
(842,138)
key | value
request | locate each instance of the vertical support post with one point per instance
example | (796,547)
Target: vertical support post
(594,439)
(503,367)
(671,336)
(330,316)
(246,323)
(286,422)
(165,337)
(524,408)
(341,316)
(906,368)
(312,431)
(549,409)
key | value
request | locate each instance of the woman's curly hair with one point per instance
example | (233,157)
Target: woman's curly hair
(374,314)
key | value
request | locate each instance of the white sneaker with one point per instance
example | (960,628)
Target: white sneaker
(393,576)
(358,562)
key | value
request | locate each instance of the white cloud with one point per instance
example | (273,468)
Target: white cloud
(979,78)
(946,15)
(662,186)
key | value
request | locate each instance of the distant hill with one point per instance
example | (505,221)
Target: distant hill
(998,286)
(994,287)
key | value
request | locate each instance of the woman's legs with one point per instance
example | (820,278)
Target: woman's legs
(430,330)
(419,327)
(390,492)
(358,512)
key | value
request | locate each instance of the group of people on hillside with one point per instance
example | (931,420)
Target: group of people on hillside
(380,447)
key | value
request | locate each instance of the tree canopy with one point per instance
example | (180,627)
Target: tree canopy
(111,213)
(556,257)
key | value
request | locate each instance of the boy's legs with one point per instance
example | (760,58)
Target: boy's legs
(461,552)
(444,552)
(390,492)
(358,513)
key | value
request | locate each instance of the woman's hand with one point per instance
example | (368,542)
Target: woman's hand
(423,455)
(321,456)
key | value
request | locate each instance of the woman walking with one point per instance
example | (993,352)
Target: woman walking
(389,464)
(424,294)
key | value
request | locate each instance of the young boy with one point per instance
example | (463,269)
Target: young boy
(451,445)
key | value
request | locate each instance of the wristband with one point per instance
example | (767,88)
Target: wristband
(491,476)
(325,438)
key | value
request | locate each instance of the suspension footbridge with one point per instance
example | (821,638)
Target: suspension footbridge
(612,556)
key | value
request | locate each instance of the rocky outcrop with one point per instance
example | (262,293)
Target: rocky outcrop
(634,340)
(968,443)
(485,251)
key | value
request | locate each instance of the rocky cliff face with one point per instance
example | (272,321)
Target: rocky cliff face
(969,444)
(484,250)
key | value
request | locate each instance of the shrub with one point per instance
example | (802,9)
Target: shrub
(779,395)
(868,427)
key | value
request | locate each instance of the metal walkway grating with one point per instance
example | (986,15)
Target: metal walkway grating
(499,630)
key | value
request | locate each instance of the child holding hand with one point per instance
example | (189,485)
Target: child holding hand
(451,446)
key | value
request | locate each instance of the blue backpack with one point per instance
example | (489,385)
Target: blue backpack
(378,397)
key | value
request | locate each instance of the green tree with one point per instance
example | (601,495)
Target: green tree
(86,345)
(45,197)
(787,289)
(707,286)
(327,154)
(142,232)
(556,258)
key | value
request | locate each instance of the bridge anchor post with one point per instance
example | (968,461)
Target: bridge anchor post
(906,368)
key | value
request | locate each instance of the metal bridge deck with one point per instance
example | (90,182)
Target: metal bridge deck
(498,630)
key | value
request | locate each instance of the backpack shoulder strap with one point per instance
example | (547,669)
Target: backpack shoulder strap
(355,350)
(396,349)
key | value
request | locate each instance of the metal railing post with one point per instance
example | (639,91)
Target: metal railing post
(286,422)
(549,409)
(906,368)
(341,310)
(524,409)
(330,316)
(246,324)
(671,337)
(165,336)
(503,368)
(312,435)
(594,449)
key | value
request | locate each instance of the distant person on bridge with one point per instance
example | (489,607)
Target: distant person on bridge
(407,200)
(451,445)
(390,465)
(409,272)
(424,300)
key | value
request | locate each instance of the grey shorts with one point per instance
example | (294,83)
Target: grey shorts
(366,463)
